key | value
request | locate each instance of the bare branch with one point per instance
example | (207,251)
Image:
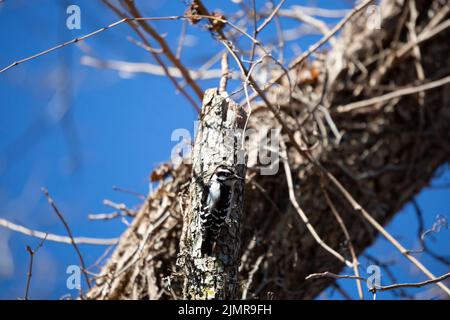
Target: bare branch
(392,95)
(56,238)
(270,17)
(134,193)
(84,37)
(148,68)
(327,274)
(374,289)
(30,266)
(301,213)
(414,285)
(69,232)
(347,237)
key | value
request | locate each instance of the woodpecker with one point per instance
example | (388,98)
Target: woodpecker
(217,207)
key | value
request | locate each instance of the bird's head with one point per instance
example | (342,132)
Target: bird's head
(224,174)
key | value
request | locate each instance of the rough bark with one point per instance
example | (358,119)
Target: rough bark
(388,152)
(218,142)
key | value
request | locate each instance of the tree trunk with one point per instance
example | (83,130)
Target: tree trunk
(213,275)
(383,151)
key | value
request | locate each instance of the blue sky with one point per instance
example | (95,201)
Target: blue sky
(78,131)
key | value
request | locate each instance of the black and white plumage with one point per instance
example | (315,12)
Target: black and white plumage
(218,196)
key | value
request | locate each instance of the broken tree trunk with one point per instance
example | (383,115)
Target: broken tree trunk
(218,142)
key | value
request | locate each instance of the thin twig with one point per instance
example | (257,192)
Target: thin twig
(347,238)
(84,37)
(441,222)
(301,213)
(69,232)
(328,274)
(255,32)
(270,17)
(30,266)
(250,277)
(374,289)
(413,285)
(134,193)
(392,95)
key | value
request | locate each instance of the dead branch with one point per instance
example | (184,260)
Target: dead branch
(375,289)
(69,232)
(396,94)
(302,214)
(31,252)
(56,238)
(148,68)
(339,219)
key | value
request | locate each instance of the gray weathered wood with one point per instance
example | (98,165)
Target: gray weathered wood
(218,142)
